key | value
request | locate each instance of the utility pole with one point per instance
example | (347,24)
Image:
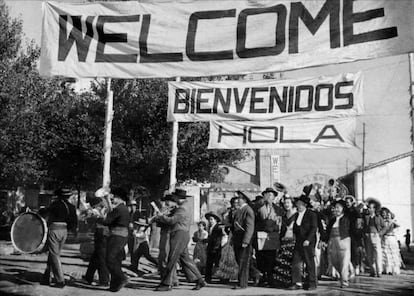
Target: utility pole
(174,152)
(363,163)
(108,135)
(411,67)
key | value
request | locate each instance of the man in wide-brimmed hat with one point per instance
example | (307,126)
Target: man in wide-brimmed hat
(61,219)
(374,228)
(268,224)
(179,221)
(213,244)
(304,228)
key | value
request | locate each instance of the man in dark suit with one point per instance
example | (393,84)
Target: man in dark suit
(304,228)
(179,220)
(215,233)
(243,229)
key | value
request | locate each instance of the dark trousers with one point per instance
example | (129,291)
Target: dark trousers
(305,255)
(56,238)
(98,261)
(164,247)
(265,263)
(114,255)
(213,260)
(179,252)
(142,250)
(243,260)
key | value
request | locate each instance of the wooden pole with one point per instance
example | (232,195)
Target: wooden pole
(411,68)
(174,152)
(363,164)
(106,180)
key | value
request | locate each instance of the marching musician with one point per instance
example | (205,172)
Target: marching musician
(61,218)
(179,221)
(98,259)
(118,221)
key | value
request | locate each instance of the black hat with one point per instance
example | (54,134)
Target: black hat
(120,193)
(303,198)
(269,189)
(177,195)
(373,201)
(243,196)
(63,192)
(339,201)
(280,187)
(214,215)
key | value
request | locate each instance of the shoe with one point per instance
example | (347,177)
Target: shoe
(295,287)
(60,285)
(176,284)
(238,288)
(378,275)
(45,282)
(163,288)
(311,288)
(86,280)
(200,284)
(119,286)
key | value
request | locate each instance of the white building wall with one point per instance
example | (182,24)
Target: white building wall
(391,185)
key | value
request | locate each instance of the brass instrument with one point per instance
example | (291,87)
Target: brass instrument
(165,211)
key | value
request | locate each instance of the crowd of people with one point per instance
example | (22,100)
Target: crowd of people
(274,241)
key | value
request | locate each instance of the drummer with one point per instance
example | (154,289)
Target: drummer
(61,218)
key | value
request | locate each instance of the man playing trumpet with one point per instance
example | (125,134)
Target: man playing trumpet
(179,221)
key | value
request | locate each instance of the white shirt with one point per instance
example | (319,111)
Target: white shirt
(300,217)
(336,224)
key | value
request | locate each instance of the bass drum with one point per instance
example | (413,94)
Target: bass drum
(29,233)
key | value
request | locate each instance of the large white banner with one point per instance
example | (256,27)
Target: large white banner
(283,134)
(335,96)
(143,39)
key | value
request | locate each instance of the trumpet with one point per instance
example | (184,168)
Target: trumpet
(158,212)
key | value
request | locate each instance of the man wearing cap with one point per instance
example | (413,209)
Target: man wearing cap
(61,218)
(215,233)
(179,220)
(268,222)
(304,228)
(243,229)
(117,221)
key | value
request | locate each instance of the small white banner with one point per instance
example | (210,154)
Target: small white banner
(314,97)
(157,38)
(283,134)
(275,163)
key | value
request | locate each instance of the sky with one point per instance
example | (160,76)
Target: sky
(386,94)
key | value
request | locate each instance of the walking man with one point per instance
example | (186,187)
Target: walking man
(61,218)
(179,221)
(304,228)
(117,220)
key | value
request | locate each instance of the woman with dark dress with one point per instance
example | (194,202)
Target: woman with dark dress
(283,268)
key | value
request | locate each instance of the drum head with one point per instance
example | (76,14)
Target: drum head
(29,232)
